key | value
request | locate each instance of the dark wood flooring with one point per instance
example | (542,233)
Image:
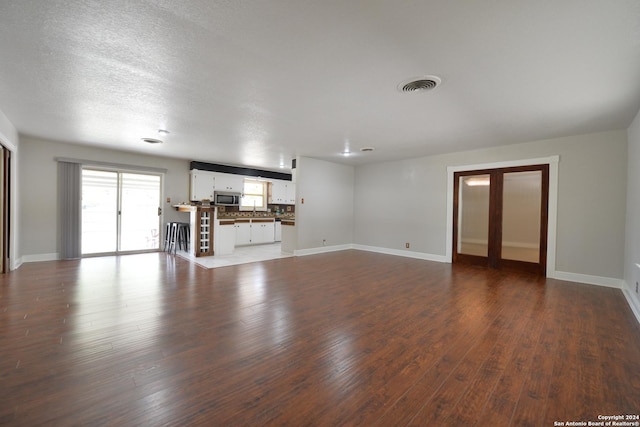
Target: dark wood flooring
(345,338)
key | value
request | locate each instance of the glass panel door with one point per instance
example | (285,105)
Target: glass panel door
(139,217)
(99,211)
(120,211)
(500,217)
(473,215)
(521,206)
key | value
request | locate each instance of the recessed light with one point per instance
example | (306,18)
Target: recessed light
(152,140)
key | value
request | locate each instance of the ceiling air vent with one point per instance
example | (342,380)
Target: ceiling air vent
(152,140)
(419,84)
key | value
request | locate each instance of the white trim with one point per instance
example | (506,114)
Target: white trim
(7,143)
(110,165)
(403,253)
(552,161)
(588,279)
(40,257)
(321,250)
(16,263)
(633,302)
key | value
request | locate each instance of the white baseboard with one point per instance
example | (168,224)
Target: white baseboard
(40,257)
(321,250)
(400,252)
(588,279)
(633,303)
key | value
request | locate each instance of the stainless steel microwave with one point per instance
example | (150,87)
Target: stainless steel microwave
(225,198)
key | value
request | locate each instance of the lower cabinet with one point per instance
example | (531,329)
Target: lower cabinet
(262,231)
(254,231)
(225,237)
(243,232)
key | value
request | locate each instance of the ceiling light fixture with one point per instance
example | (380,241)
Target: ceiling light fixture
(477,182)
(367,149)
(419,84)
(152,140)
(163,132)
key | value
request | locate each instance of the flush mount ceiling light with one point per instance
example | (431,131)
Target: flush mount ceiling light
(152,140)
(419,84)
(477,182)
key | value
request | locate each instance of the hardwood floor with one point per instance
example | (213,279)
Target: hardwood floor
(344,338)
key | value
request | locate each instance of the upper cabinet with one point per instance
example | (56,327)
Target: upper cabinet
(229,182)
(283,192)
(203,185)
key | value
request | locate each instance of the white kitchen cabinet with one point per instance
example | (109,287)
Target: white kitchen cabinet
(282,192)
(262,231)
(225,237)
(291,193)
(243,232)
(278,192)
(202,185)
(229,182)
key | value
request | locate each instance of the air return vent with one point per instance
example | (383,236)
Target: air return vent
(152,140)
(419,84)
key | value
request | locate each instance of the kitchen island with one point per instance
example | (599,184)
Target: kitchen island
(216,232)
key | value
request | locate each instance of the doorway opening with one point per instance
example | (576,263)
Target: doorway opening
(5,210)
(120,212)
(500,217)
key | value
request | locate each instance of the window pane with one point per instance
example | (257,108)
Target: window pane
(473,215)
(253,201)
(139,218)
(253,187)
(254,195)
(521,205)
(99,211)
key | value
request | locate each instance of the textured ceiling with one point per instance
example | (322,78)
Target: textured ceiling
(257,83)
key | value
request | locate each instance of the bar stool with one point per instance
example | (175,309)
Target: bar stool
(182,235)
(177,236)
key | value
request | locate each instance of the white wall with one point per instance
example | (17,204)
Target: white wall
(632,243)
(38,171)
(591,200)
(327,211)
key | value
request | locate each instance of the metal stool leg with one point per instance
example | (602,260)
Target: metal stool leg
(167,236)
(173,237)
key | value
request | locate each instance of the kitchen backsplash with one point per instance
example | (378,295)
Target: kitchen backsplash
(279,211)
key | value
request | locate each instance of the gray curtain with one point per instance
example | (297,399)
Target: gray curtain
(70,214)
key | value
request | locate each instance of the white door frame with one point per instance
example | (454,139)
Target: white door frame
(552,161)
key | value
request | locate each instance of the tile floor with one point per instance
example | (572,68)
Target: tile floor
(241,255)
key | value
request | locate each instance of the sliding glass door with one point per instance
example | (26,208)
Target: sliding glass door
(500,217)
(120,211)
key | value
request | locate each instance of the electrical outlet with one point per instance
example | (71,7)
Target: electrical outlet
(406,245)
(168,199)
(324,242)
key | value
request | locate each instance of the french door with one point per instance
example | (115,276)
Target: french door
(120,211)
(500,217)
